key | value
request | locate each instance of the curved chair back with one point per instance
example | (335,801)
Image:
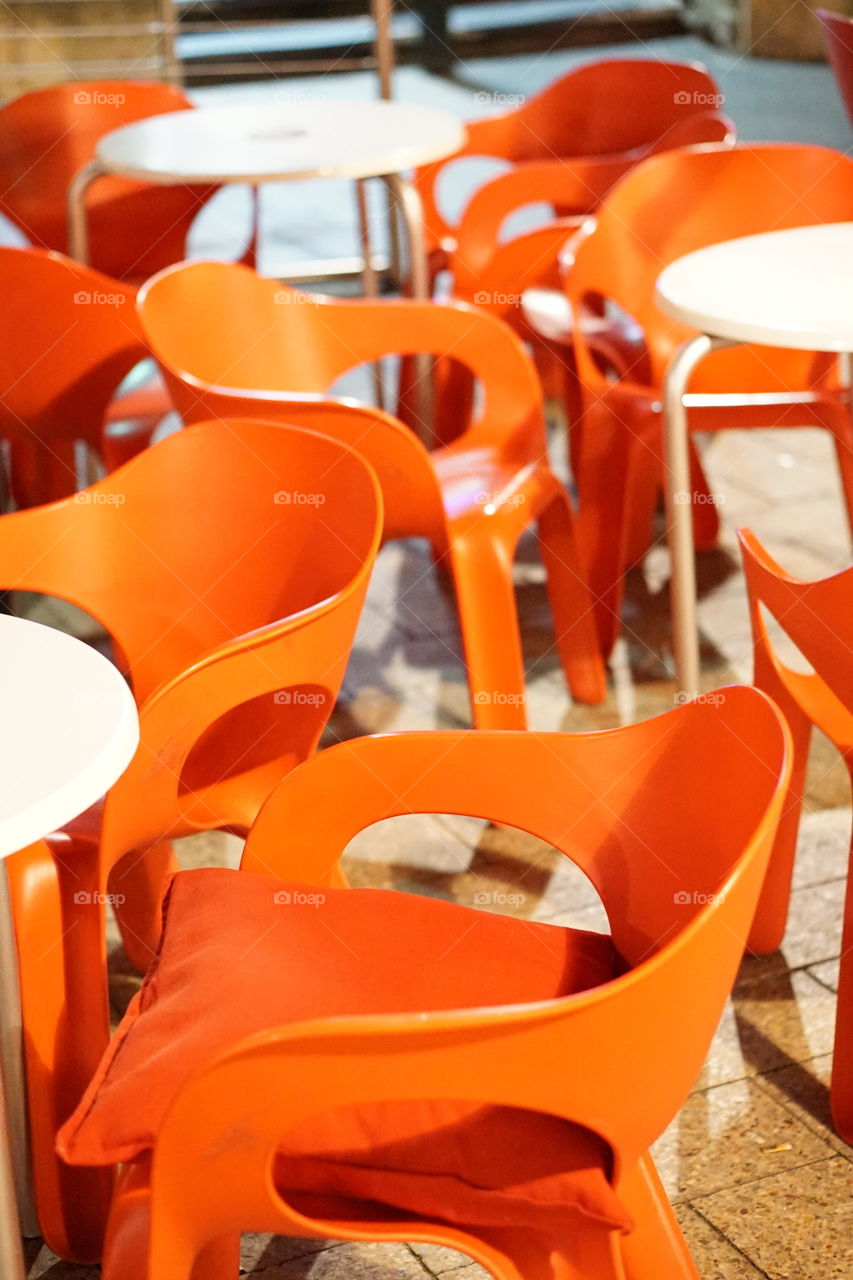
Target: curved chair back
(710,193)
(48,135)
(672,821)
(837,32)
(271,344)
(228,564)
(614,109)
(68,336)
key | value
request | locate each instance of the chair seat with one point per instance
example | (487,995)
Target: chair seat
(241,954)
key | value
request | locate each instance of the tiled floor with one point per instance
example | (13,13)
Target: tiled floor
(763,1186)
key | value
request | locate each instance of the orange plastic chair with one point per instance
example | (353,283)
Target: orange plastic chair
(68,336)
(710,194)
(837,32)
(816,617)
(48,135)
(679,881)
(228,563)
(230,342)
(570,143)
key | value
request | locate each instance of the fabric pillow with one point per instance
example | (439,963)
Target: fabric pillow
(241,953)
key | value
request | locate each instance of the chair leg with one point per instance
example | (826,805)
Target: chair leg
(59,923)
(128,1248)
(571,603)
(590,1254)
(706,519)
(617,478)
(655,1248)
(843,440)
(841,1091)
(488,619)
(136,883)
(771,914)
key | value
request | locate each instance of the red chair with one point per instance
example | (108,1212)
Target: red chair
(568,144)
(837,32)
(228,564)
(231,343)
(384,1066)
(48,135)
(816,616)
(68,336)
(709,194)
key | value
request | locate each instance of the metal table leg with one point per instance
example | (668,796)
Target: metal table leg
(17,1215)
(411,207)
(679,509)
(370,281)
(78,228)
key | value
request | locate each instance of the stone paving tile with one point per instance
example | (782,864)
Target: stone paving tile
(720,1260)
(803,1089)
(827,973)
(770,1022)
(472,1272)
(351,1261)
(823,847)
(729,1135)
(794,1225)
(441,1261)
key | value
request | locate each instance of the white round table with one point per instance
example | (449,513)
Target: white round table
(790,288)
(280,142)
(69,729)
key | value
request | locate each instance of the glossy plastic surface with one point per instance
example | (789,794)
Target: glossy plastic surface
(229,564)
(68,336)
(230,342)
(48,135)
(816,617)
(568,144)
(671,820)
(709,194)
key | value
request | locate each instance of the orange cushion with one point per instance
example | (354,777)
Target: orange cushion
(241,953)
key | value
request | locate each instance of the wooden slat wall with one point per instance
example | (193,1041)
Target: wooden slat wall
(785,28)
(43,42)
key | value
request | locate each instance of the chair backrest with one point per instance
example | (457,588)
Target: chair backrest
(837,32)
(816,616)
(230,341)
(214,532)
(229,563)
(68,335)
(709,194)
(48,135)
(672,820)
(613,107)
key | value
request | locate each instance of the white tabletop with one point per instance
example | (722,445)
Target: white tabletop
(790,288)
(281,142)
(68,729)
